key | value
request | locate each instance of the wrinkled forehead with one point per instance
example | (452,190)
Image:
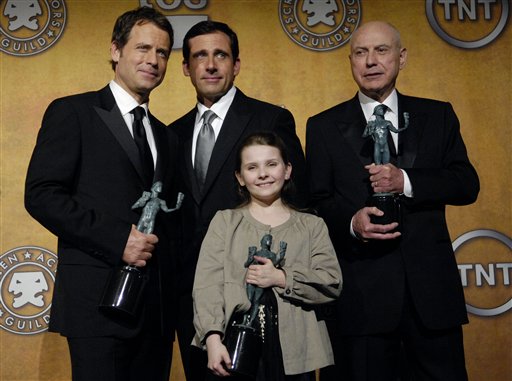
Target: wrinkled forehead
(375,34)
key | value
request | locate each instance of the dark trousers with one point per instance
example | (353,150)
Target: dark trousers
(411,352)
(194,359)
(309,376)
(110,359)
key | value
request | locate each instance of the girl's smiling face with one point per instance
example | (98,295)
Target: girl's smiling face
(263,172)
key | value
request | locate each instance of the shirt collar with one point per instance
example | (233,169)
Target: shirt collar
(368,104)
(221,107)
(124,101)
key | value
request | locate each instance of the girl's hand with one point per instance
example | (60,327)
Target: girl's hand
(265,274)
(218,356)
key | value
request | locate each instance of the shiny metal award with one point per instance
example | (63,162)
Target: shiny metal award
(245,334)
(125,288)
(378,129)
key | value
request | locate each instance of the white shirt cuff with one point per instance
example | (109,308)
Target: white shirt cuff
(407,185)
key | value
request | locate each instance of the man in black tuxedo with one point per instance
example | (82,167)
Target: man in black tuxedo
(210,59)
(85,174)
(401,288)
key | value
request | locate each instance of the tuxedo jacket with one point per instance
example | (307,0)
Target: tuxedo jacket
(377,274)
(220,191)
(83,178)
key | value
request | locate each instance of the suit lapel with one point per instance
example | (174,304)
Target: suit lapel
(186,133)
(351,126)
(408,140)
(111,116)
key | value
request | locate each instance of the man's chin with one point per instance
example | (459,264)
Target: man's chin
(149,86)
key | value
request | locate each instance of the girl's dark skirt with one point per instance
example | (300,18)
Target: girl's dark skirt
(271,362)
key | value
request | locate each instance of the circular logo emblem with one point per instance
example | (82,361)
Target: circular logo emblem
(27,277)
(486,285)
(319,25)
(467,25)
(29,27)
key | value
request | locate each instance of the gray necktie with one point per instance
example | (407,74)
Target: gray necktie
(204,146)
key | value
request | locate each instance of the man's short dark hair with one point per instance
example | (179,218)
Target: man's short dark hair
(208,27)
(125,23)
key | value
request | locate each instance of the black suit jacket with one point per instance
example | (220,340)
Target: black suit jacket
(377,274)
(83,178)
(245,116)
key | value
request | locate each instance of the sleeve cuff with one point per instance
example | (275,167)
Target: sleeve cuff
(407,185)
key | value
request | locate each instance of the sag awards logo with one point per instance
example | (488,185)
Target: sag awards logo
(319,25)
(29,27)
(468,24)
(484,262)
(27,276)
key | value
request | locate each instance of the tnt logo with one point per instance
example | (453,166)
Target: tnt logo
(27,277)
(467,24)
(485,268)
(29,27)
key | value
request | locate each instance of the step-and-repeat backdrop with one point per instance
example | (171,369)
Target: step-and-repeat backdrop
(293,53)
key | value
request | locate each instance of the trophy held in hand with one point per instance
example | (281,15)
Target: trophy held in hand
(245,334)
(378,129)
(125,288)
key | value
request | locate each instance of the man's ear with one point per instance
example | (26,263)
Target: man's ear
(186,69)
(237,67)
(115,52)
(403,58)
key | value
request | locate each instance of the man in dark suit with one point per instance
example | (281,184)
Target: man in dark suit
(401,288)
(85,174)
(210,59)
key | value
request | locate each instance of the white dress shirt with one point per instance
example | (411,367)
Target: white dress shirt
(127,103)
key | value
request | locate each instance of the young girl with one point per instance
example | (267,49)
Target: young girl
(310,273)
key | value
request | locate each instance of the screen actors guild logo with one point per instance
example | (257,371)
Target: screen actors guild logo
(27,277)
(29,287)
(320,12)
(22,14)
(29,27)
(319,25)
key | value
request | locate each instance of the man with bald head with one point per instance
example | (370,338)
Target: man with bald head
(402,306)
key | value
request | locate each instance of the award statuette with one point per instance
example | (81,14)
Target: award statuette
(245,336)
(125,287)
(378,129)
